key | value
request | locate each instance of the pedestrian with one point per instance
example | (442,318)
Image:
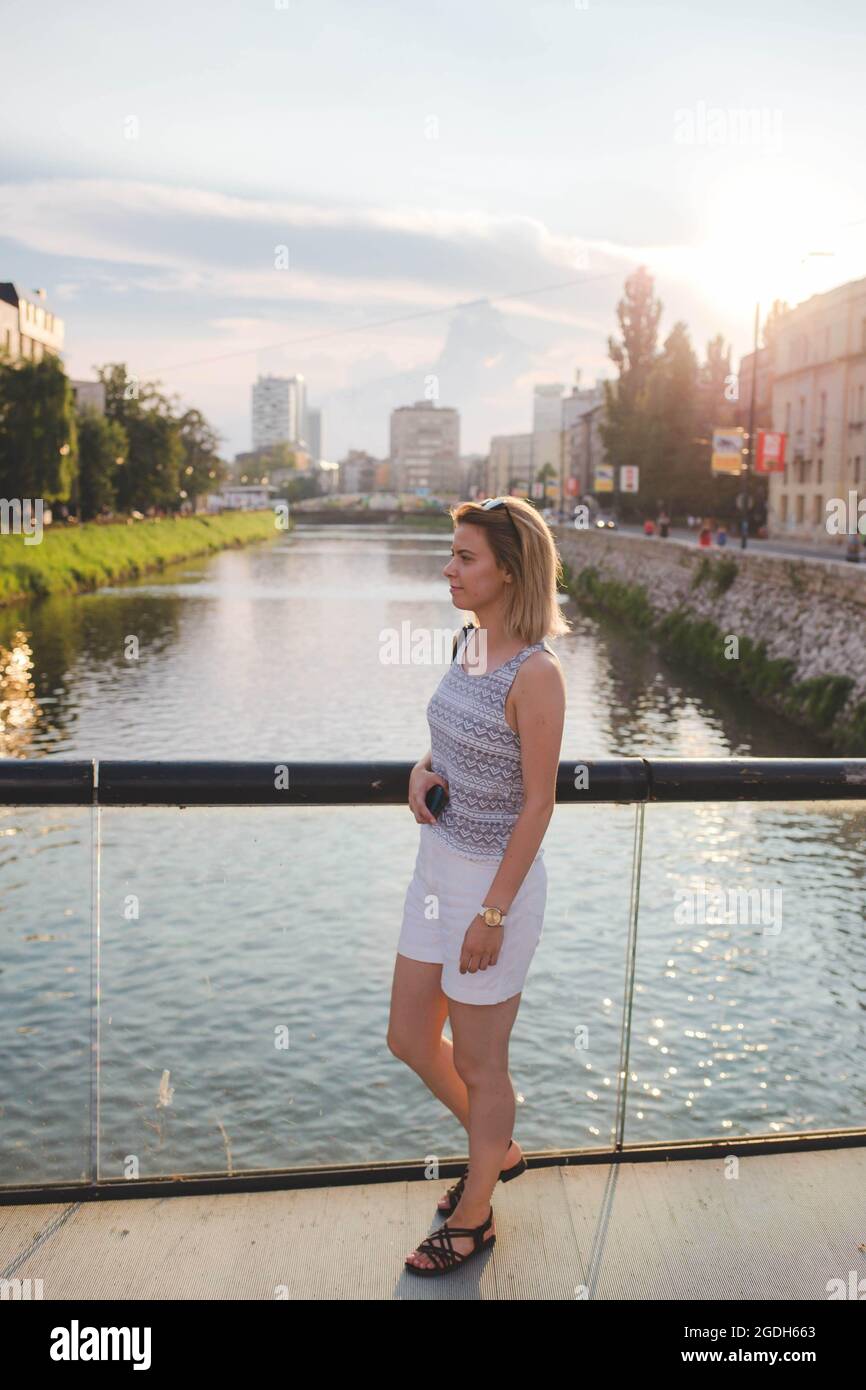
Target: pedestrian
(496,721)
(664,523)
(649,527)
(705,535)
(722,534)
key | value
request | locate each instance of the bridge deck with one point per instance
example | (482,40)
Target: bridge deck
(782,1229)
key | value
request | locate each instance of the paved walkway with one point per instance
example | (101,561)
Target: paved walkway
(783,1229)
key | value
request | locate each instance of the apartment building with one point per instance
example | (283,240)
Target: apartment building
(28,328)
(583,450)
(279,410)
(358,472)
(425,449)
(819,401)
(509,464)
(89,395)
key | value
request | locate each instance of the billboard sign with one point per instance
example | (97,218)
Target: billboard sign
(604,477)
(728,447)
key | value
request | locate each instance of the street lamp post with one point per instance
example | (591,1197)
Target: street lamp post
(744,521)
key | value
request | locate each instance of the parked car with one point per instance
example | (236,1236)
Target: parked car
(606,521)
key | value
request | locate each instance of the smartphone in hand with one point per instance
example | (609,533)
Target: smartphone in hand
(435,800)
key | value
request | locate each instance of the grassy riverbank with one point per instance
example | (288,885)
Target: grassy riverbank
(814,704)
(74,559)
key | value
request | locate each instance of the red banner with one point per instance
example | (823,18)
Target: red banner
(770,453)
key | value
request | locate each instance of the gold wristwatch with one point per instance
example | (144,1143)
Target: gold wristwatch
(493,916)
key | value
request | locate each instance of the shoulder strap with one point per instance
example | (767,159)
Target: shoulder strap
(467,627)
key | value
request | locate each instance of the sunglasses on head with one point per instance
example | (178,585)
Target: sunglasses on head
(490,505)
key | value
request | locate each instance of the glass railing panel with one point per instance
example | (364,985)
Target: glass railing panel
(247,958)
(45,990)
(565,1044)
(751,971)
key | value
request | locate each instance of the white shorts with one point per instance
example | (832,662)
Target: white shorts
(445,893)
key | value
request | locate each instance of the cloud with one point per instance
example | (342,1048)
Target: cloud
(184,283)
(183,240)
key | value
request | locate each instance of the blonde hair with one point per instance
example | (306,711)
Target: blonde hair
(532,611)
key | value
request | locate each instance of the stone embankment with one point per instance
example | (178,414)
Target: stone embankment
(789,632)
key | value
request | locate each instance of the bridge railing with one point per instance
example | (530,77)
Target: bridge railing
(216,961)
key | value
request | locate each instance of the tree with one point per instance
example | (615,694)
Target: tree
(716,409)
(38,435)
(718,404)
(675,474)
(102,449)
(151,474)
(202,469)
(624,429)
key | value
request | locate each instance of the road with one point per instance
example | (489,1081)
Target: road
(800,550)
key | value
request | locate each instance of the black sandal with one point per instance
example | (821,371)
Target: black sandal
(455,1192)
(440,1248)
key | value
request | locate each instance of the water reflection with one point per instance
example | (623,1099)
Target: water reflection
(19,708)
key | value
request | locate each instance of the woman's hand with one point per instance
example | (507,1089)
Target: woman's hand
(481,946)
(421,779)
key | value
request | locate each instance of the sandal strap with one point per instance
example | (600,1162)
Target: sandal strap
(440,1248)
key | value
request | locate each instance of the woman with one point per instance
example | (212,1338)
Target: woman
(496,722)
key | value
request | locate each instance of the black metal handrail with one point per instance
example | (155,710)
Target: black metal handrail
(287,782)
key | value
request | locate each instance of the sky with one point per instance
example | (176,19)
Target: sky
(397,199)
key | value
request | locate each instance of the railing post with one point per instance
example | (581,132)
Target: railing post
(628,991)
(95,974)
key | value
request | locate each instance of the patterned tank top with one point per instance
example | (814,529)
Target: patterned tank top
(478,753)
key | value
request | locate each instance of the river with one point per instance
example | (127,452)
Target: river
(247,953)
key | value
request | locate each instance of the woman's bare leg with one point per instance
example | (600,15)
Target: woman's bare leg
(481,1034)
(418,1013)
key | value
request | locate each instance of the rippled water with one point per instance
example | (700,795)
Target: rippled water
(246,954)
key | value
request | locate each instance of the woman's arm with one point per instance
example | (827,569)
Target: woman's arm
(538,699)
(426,761)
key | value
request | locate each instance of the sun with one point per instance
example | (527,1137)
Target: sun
(767,243)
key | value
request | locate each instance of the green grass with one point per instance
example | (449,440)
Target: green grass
(71,559)
(721,573)
(626,601)
(820,699)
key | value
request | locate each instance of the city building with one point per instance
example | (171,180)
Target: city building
(819,402)
(763,389)
(547,408)
(546,463)
(235,497)
(27,327)
(473,475)
(510,465)
(89,394)
(276,463)
(425,449)
(313,433)
(358,472)
(583,450)
(279,410)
